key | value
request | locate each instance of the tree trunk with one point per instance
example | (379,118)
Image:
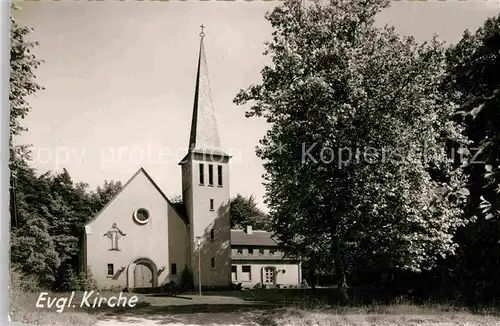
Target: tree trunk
(340,272)
(312,274)
(341,282)
(313,281)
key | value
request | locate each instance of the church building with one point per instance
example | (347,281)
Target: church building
(140,239)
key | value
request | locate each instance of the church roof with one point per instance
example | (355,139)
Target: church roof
(204,137)
(256,238)
(180,212)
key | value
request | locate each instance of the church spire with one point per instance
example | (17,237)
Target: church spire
(204,135)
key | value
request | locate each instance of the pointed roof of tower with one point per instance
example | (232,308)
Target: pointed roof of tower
(204,137)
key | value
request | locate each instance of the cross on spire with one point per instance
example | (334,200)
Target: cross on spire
(202,33)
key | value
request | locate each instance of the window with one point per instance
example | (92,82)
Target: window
(141,216)
(239,251)
(219,175)
(210,175)
(212,262)
(246,273)
(173,269)
(272,251)
(250,251)
(261,251)
(111,270)
(234,273)
(211,204)
(212,234)
(202,176)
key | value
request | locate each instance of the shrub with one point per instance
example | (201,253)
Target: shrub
(171,288)
(19,286)
(68,280)
(112,288)
(86,281)
(187,279)
(20,282)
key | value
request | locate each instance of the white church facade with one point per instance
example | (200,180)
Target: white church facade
(140,239)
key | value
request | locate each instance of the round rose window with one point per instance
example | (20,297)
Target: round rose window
(141,216)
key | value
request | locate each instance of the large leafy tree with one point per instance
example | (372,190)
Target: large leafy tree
(244,211)
(23,64)
(103,195)
(474,82)
(356,156)
(47,211)
(50,212)
(474,76)
(32,248)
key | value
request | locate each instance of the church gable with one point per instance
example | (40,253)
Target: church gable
(140,190)
(137,227)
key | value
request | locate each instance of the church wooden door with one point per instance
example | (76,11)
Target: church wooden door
(143,276)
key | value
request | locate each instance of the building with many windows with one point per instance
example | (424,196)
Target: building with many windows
(257,261)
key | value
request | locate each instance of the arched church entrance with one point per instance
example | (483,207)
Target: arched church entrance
(144,273)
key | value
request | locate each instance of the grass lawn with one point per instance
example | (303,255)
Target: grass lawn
(252,307)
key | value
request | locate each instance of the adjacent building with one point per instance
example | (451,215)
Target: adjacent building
(257,261)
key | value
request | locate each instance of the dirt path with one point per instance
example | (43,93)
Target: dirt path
(320,320)
(185,320)
(446,319)
(232,311)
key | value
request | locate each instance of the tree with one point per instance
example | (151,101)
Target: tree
(103,195)
(33,251)
(48,212)
(69,281)
(51,211)
(474,66)
(23,64)
(473,79)
(244,212)
(64,205)
(358,126)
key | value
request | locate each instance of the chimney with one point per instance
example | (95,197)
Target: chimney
(249,229)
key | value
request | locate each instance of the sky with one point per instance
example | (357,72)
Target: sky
(119,80)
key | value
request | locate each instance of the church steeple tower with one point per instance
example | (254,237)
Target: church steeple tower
(204,137)
(205,188)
